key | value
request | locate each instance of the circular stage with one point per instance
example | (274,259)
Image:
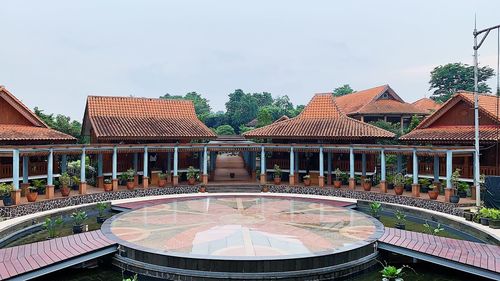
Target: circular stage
(244,237)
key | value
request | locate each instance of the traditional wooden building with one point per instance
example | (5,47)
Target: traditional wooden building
(132,120)
(453,124)
(321,121)
(21,126)
(379,103)
(427,104)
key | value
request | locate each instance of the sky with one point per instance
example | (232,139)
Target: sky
(53,54)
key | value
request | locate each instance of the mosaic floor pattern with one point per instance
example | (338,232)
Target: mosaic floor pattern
(243,227)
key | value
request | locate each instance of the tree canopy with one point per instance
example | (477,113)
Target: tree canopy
(62,123)
(201,104)
(343,90)
(447,79)
(224,130)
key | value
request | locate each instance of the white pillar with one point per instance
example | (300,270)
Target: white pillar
(15,169)
(476,183)
(114,163)
(176,158)
(263,169)
(382,165)
(449,167)
(321,162)
(415,166)
(205,161)
(82,166)
(351,163)
(146,162)
(292,162)
(50,167)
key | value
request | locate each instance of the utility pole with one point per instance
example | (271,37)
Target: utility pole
(477,171)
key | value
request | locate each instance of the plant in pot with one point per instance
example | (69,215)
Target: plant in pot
(337,183)
(462,189)
(32,194)
(433,230)
(399,181)
(367,184)
(108,185)
(392,273)
(277,174)
(78,219)
(307,180)
(192,175)
(433,192)
(469,214)
(484,216)
(65,179)
(400,219)
(375,208)
(75,182)
(129,176)
(424,185)
(52,225)
(408,182)
(101,209)
(494,218)
(455,176)
(5,192)
(162,179)
(40,185)
(390,181)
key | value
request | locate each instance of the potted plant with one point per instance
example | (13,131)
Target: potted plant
(32,194)
(494,220)
(203,188)
(40,186)
(162,179)
(277,174)
(455,176)
(108,185)
(433,230)
(78,219)
(367,184)
(337,183)
(400,220)
(433,192)
(484,216)
(462,188)
(424,185)
(52,225)
(307,180)
(265,188)
(407,182)
(5,192)
(390,181)
(392,273)
(101,209)
(75,182)
(129,176)
(65,179)
(399,182)
(375,208)
(192,175)
(469,214)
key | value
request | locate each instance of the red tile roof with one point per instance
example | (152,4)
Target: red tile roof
(370,102)
(116,118)
(320,119)
(38,132)
(426,131)
(427,104)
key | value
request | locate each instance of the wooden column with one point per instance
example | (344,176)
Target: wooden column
(436,168)
(136,168)
(329,164)
(363,166)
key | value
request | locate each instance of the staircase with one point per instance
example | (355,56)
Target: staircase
(227,164)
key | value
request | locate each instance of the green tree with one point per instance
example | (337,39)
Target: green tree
(62,123)
(241,108)
(414,122)
(343,90)
(244,129)
(214,120)
(224,130)
(201,105)
(264,117)
(391,127)
(263,99)
(447,79)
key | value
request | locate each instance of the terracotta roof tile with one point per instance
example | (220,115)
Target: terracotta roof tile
(144,118)
(351,103)
(427,104)
(320,119)
(391,107)
(26,133)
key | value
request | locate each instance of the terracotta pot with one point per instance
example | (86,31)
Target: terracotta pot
(433,195)
(337,184)
(191,181)
(367,186)
(65,190)
(31,196)
(307,182)
(162,182)
(399,190)
(108,187)
(203,189)
(265,188)
(277,180)
(130,185)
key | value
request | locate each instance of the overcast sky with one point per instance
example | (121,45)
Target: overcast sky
(55,53)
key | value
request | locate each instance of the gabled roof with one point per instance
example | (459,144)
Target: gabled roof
(427,131)
(131,118)
(372,101)
(320,119)
(31,130)
(427,104)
